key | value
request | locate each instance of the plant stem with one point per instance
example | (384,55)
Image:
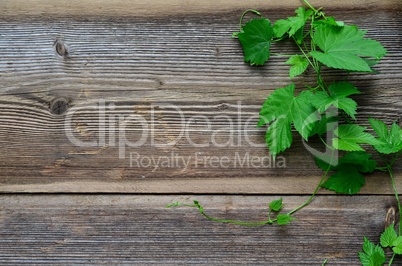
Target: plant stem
(397,198)
(281,54)
(305,55)
(396,156)
(323,141)
(316,189)
(310,6)
(389,170)
(384,169)
(201,209)
(244,13)
(236,222)
(390,261)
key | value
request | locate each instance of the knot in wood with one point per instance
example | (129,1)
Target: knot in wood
(61,48)
(59,106)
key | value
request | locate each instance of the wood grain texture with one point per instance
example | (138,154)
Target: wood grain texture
(162,8)
(74,229)
(183,78)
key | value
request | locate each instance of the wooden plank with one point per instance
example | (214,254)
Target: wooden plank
(181,77)
(160,8)
(73,229)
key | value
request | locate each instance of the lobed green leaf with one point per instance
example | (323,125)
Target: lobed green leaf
(299,65)
(338,93)
(388,236)
(283,107)
(276,205)
(350,136)
(389,142)
(342,45)
(284,219)
(292,25)
(256,40)
(397,245)
(348,178)
(373,255)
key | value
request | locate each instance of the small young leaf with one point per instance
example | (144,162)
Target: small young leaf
(284,218)
(389,142)
(388,236)
(299,65)
(276,205)
(292,24)
(397,245)
(349,136)
(300,20)
(373,255)
(342,45)
(338,98)
(256,40)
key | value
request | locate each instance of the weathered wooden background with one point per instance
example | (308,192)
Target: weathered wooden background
(167,75)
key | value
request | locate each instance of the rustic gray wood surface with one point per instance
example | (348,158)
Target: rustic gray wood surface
(180,78)
(136,229)
(177,88)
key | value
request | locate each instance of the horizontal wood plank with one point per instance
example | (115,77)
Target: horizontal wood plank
(179,85)
(164,8)
(73,229)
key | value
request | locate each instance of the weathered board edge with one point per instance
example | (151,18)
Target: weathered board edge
(122,229)
(159,8)
(376,184)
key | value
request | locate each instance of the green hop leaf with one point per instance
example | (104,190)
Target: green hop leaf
(256,40)
(397,245)
(371,255)
(276,205)
(329,22)
(338,93)
(292,24)
(326,123)
(284,218)
(281,27)
(348,178)
(299,65)
(283,108)
(388,236)
(359,159)
(389,142)
(300,20)
(342,45)
(350,136)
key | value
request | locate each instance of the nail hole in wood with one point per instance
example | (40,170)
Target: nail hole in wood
(61,48)
(59,106)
